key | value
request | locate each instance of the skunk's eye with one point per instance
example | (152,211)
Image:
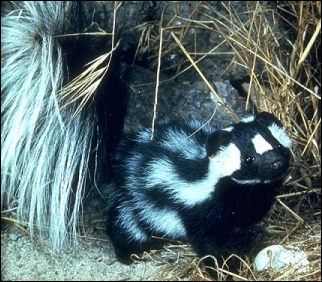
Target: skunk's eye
(282,149)
(249,160)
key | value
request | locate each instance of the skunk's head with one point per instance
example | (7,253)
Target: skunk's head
(256,150)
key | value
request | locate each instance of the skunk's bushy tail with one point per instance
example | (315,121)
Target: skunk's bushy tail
(44,147)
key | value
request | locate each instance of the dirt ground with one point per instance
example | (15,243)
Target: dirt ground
(92,260)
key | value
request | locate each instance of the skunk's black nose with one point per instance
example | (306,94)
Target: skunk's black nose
(273,166)
(278,164)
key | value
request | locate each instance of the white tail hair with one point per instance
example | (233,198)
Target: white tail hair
(44,148)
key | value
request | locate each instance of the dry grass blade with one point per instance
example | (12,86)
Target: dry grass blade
(83,87)
(204,78)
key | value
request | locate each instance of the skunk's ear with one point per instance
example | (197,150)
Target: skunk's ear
(267,119)
(217,140)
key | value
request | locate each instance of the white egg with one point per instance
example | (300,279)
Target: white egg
(276,257)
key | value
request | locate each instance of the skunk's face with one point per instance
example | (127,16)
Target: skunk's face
(262,167)
(264,149)
(257,149)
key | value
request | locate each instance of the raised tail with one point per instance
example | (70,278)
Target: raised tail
(44,148)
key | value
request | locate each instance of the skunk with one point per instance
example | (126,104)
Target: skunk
(195,183)
(51,152)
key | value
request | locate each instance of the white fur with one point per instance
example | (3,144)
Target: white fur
(251,181)
(229,128)
(248,119)
(260,144)
(144,136)
(163,171)
(127,222)
(164,221)
(280,134)
(188,193)
(44,147)
(180,142)
(225,162)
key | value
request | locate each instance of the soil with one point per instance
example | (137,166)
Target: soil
(91,260)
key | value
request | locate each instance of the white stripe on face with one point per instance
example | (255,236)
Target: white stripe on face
(260,144)
(280,134)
